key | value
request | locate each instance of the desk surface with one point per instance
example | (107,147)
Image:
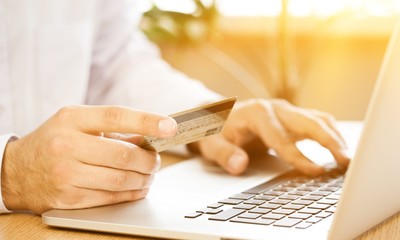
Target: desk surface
(26,226)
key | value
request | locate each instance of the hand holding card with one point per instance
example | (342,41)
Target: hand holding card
(193,124)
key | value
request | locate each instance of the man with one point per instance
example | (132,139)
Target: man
(66,69)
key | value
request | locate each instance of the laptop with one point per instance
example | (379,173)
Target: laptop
(191,200)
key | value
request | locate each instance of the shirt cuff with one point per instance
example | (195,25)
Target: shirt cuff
(4,139)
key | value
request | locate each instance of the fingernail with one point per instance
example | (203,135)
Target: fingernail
(151,180)
(235,162)
(144,193)
(158,163)
(167,126)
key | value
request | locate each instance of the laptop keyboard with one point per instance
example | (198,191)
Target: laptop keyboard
(291,200)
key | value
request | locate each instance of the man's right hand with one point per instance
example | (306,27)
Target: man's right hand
(77,159)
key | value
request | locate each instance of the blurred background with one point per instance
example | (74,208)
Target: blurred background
(322,54)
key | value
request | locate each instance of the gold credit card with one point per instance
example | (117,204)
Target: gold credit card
(193,124)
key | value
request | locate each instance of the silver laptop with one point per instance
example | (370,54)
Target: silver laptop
(190,200)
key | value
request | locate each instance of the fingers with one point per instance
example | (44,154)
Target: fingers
(274,135)
(108,178)
(292,155)
(85,198)
(331,122)
(117,154)
(131,138)
(70,151)
(229,156)
(94,119)
(278,125)
(303,123)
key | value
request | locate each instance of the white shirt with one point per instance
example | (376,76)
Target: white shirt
(62,52)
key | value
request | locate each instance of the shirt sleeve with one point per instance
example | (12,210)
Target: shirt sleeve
(127,69)
(4,139)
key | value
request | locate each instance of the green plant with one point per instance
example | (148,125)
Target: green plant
(179,28)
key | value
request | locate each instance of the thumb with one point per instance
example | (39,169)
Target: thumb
(229,156)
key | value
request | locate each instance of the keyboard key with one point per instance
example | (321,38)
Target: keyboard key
(274,193)
(260,221)
(320,193)
(293,206)
(335,184)
(307,189)
(283,211)
(249,215)
(315,184)
(214,211)
(242,196)
(309,210)
(254,202)
(288,197)
(215,205)
(303,225)
(303,202)
(227,214)
(298,193)
(260,210)
(287,222)
(319,206)
(279,201)
(268,185)
(323,214)
(292,184)
(330,189)
(193,215)
(270,206)
(338,192)
(327,201)
(231,201)
(311,198)
(273,216)
(313,220)
(209,210)
(283,189)
(331,209)
(300,215)
(244,206)
(333,197)
(264,197)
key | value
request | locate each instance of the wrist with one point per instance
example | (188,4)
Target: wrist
(9,177)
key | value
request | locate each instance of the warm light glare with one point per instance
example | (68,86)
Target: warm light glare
(273,8)
(377,9)
(144,5)
(183,6)
(303,8)
(207,3)
(249,7)
(327,8)
(300,8)
(396,7)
